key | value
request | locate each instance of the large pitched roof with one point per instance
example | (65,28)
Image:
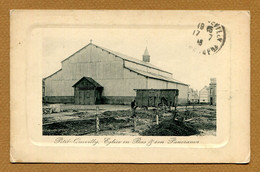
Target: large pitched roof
(134,60)
(155,76)
(124,57)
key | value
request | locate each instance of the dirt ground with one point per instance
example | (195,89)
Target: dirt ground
(116,120)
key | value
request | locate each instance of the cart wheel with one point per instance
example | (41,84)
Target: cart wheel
(145,108)
(161,106)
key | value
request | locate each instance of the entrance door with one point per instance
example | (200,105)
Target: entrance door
(81,97)
(87,97)
(84,97)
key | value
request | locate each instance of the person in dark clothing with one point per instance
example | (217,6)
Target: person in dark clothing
(133,104)
(133,107)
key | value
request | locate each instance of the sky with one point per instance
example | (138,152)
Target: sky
(169,49)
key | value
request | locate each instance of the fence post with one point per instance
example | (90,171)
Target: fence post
(134,119)
(157,119)
(134,123)
(156,116)
(175,113)
(97,119)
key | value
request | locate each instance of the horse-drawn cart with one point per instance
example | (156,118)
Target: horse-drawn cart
(158,98)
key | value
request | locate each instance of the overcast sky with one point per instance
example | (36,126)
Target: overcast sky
(168,48)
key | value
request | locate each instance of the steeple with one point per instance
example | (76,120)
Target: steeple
(146,56)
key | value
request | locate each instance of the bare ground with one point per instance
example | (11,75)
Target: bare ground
(116,120)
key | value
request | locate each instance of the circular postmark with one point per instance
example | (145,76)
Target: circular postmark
(209,37)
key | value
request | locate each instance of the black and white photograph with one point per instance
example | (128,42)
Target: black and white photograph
(130,81)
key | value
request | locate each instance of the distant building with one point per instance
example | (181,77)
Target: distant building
(212,91)
(204,95)
(95,74)
(193,96)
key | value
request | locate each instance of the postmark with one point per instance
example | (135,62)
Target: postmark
(209,37)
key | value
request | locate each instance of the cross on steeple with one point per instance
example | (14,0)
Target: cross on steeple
(91,41)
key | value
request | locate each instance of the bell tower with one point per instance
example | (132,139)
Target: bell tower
(146,56)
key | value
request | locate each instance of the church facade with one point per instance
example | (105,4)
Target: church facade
(116,73)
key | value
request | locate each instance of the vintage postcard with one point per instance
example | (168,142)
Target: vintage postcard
(130,86)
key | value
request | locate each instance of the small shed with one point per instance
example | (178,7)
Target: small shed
(156,97)
(87,91)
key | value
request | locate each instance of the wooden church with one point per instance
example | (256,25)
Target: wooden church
(95,75)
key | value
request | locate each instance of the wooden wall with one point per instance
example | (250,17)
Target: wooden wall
(107,70)
(104,68)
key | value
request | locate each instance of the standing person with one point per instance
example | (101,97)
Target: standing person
(133,107)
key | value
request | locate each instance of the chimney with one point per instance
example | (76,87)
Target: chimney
(146,56)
